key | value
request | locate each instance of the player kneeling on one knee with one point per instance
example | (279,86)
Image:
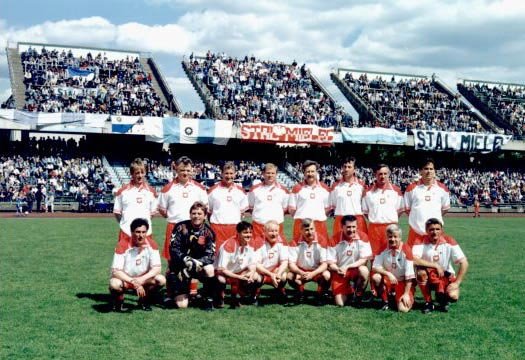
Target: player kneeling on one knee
(236,266)
(192,253)
(433,257)
(307,262)
(393,272)
(348,254)
(272,259)
(136,266)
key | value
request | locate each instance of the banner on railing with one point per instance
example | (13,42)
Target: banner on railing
(175,130)
(374,135)
(458,141)
(287,133)
(60,122)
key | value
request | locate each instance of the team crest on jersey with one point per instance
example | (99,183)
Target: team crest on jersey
(427,198)
(269,198)
(349,193)
(382,201)
(349,252)
(435,257)
(308,254)
(138,261)
(270,255)
(185,195)
(228,198)
(139,200)
(202,240)
(312,195)
(394,265)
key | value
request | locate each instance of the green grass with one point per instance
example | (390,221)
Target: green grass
(53,293)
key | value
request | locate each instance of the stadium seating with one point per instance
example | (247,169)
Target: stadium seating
(253,90)
(505,103)
(405,102)
(58,81)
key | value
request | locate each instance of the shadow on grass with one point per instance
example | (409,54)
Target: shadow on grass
(103,301)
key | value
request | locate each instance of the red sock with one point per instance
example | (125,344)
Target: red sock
(425,290)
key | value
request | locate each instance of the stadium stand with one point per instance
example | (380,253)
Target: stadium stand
(253,90)
(58,78)
(504,103)
(402,101)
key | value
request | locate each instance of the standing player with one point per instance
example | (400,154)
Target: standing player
(192,253)
(227,202)
(310,200)
(135,200)
(348,255)
(425,199)
(393,272)
(382,204)
(136,266)
(346,197)
(236,265)
(178,196)
(307,261)
(272,259)
(433,256)
(268,201)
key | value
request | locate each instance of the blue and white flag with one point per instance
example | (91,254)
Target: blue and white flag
(374,135)
(175,130)
(123,124)
(77,72)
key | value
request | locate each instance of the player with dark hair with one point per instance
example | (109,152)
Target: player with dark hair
(136,266)
(425,199)
(236,265)
(433,257)
(192,253)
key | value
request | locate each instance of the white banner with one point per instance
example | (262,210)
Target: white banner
(458,141)
(374,135)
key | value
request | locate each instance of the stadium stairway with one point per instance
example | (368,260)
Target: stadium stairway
(16,73)
(115,179)
(202,91)
(160,85)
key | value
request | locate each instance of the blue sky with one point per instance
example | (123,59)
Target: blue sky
(469,39)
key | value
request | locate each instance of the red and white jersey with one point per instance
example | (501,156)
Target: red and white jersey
(310,201)
(346,197)
(307,257)
(135,261)
(425,202)
(176,199)
(383,205)
(133,202)
(343,252)
(444,252)
(226,204)
(272,256)
(268,202)
(399,262)
(234,257)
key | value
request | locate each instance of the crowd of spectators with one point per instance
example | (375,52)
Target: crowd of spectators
(507,101)
(413,103)
(58,81)
(253,90)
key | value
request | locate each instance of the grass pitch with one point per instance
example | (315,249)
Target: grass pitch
(53,295)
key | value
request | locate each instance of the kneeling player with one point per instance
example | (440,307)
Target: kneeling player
(236,265)
(393,272)
(348,254)
(136,266)
(307,262)
(272,259)
(433,256)
(192,252)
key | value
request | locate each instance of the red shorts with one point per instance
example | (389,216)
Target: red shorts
(222,233)
(413,236)
(361,224)
(377,237)
(439,283)
(320,228)
(341,284)
(125,239)
(258,232)
(398,288)
(317,278)
(237,286)
(267,279)
(167,239)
